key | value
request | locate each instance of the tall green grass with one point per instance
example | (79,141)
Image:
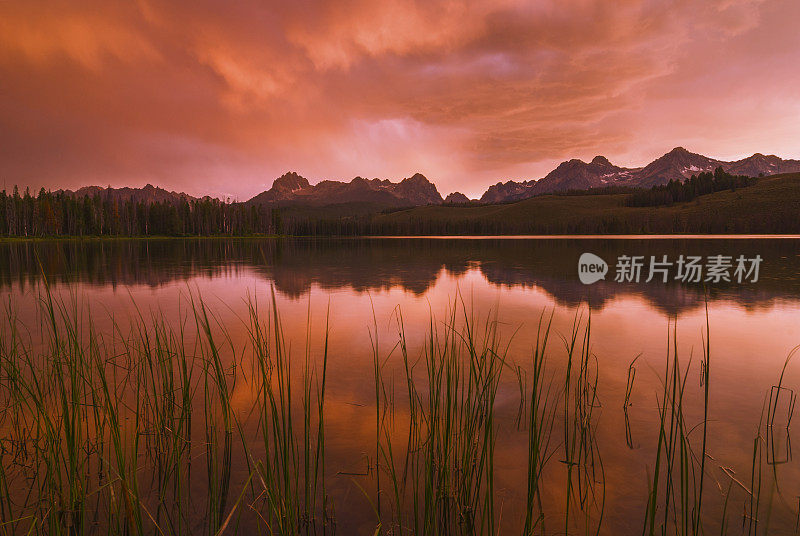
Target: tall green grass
(443,481)
(100,433)
(173,426)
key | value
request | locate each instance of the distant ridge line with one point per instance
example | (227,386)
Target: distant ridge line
(291,189)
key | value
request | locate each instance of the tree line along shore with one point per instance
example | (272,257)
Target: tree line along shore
(709,203)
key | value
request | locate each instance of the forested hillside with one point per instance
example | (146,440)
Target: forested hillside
(771,205)
(706,204)
(64,214)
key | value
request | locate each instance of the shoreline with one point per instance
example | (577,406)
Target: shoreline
(693,236)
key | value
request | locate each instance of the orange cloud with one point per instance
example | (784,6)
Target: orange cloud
(218,99)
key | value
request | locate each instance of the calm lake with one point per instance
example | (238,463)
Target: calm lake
(608,432)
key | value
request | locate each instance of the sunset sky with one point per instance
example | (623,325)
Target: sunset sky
(219,98)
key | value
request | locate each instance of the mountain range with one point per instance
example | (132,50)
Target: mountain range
(293,190)
(146,194)
(678,164)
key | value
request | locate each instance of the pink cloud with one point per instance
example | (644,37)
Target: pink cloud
(206,100)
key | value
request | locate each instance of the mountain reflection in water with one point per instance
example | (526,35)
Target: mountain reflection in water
(413,264)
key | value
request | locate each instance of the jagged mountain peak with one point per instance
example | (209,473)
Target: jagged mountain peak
(506,191)
(291,188)
(576,174)
(290,181)
(419,190)
(456,198)
(417,179)
(760,164)
(680,154)
(146,194)
(678,164)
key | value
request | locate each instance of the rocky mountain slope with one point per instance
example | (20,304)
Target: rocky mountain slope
(456,198)
(678,164)
(147,194)
(292,189)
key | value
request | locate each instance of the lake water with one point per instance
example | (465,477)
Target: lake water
(363,285)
